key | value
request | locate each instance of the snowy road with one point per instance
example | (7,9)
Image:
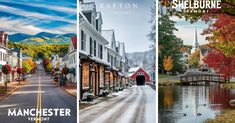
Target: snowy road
(134,105)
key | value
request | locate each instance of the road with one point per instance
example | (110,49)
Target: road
(39,93)
(134,105)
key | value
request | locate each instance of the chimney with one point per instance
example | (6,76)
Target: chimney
(6,40)
(1,37)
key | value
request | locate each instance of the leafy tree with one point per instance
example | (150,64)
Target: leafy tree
(227,7)
(221,63)
(6,69)
(45,62)
(152,34)
(169,44)
(49,67)
(26,66)
(31,63)
(168,63)
(194,59)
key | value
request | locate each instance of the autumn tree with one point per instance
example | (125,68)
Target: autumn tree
(194,59)
(221,63)
(49,67)
(221,37)
(31,63)
(26,66)
(168,63)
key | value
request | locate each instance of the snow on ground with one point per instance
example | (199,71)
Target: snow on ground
(134,105)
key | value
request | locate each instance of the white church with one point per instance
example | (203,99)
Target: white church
(195,46)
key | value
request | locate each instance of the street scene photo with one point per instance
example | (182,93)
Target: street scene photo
(38,61)
(117,61)
(196,62)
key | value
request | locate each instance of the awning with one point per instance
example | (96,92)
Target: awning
(120,74)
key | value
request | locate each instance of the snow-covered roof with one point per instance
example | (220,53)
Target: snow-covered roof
(89,6)
(108,35)
(99,16)
(133,70)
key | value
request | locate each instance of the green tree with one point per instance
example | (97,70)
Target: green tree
(169,44)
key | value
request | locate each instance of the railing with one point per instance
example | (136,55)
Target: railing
(196,79)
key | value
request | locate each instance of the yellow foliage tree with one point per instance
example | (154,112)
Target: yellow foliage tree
(194,59)
(168,63)
(31,63)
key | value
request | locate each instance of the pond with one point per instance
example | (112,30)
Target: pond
(192,104)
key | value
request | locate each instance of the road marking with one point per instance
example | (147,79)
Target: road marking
(39,100)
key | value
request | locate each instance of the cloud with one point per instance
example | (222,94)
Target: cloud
(34,14)
(26,26)
(47,6)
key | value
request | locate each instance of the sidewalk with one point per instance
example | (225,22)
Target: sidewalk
(11,87)
(70,88)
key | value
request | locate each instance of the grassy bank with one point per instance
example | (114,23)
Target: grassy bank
(163,81)
(227,116)
(164,76)
(166,82)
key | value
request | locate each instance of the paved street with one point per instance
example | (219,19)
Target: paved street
(40,93)
(134,105)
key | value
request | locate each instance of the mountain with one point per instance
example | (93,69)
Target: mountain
(41,38)
(46,40)
(18,37)
(144,59)
(46,34)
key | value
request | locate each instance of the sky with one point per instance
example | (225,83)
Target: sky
(130,21)
(34,16)
(186,31)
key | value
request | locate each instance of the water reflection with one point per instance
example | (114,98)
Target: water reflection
(192,104)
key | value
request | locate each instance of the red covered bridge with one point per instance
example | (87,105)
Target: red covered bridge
(139,75)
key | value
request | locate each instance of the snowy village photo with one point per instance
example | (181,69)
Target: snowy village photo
(196,64)
(117,61)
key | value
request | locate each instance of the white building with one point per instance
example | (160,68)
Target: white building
(99,52)
(72,59)
(3,53)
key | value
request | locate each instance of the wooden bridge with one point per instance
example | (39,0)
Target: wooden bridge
(195,78)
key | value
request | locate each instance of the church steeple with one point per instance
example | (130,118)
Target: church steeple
(196,45)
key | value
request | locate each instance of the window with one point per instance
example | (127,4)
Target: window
(91,46)
(97,24)
(111,60)
(83,41)
(94,47)
(101,52)
(108,56)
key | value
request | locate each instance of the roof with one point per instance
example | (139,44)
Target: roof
(136,70)
(74,41)
(108,35)
(204,51)
(89,6)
